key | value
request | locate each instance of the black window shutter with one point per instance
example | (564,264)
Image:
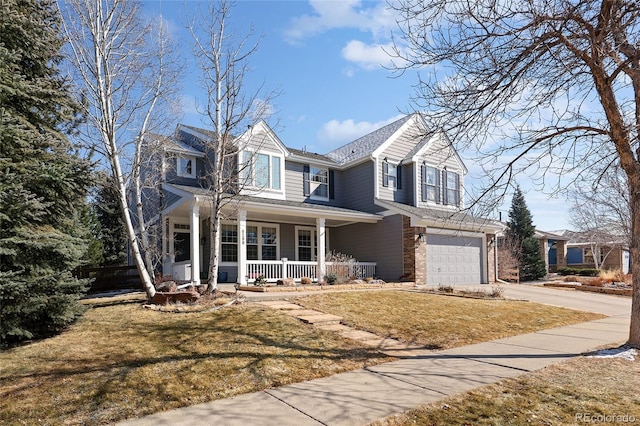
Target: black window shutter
(306,185)
(438,187)
(445,198)
(399,176)
(332,192)
(457,190)
(385,174)
(423,182)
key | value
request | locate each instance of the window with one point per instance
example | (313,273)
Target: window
(261,240)
(319,183)
(451,188)
(307,246)
(260,170)
(430,182)
(229,243)
(269,243)
(186,167)
(389,174)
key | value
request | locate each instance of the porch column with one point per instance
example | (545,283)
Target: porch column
(194,224)
(322,248)
(242,247)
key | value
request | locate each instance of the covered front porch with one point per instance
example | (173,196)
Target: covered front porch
(261,240)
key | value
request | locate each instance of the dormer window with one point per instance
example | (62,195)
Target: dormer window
(391,175)
(186,166)
(259,170)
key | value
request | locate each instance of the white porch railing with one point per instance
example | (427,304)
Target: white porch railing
(274,270)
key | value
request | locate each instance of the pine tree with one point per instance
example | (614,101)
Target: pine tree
(520,234)
(42,184)
(112,232)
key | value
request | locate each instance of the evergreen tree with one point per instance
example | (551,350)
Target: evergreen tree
(520,234)
(112,232)
(42,184)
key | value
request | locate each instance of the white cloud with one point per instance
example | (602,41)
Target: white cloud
(327,15)
(369,57)
(336,133)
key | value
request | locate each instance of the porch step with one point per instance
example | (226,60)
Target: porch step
(320,319)
(281,304)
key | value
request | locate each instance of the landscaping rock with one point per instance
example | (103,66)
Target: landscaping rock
(167,286)
(163,298)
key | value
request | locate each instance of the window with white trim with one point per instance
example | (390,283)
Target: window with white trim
(451,181)
(389,175)
(229,243)
(261,242)
(260,170)
(430,183)
(307,246)
(186,166)
(319,180)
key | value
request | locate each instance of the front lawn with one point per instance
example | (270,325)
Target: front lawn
(121,361)
(580,391)
(441,322)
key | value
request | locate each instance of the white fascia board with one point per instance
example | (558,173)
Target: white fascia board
(263,126)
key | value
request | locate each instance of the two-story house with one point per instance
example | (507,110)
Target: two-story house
(392,199)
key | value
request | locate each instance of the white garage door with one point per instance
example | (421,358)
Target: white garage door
(453,260)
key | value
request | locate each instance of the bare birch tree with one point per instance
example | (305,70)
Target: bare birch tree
(123,72)
(230,109)
(550,87)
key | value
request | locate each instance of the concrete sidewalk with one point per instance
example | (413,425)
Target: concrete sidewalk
(362,396)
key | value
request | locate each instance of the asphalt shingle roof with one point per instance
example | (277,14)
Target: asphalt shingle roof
(365,145)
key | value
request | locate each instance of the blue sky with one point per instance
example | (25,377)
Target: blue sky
(327,59)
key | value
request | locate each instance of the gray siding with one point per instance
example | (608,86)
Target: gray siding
(439,155)
(288,241)
(293,176)
(380,242)
(357,188)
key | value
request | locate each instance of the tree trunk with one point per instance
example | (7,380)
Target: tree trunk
(214,235)
(634,330)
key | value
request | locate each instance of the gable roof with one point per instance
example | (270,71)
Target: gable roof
(367,144)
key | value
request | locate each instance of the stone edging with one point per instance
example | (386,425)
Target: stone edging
(592,288)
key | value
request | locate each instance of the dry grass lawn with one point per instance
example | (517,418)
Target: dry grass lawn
(441,322)
(562,394)
(121,361)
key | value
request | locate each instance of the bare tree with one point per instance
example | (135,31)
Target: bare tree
(121,67)
(230,109)
(547,86)
(601,213)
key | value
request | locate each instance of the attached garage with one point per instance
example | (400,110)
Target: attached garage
(454,260)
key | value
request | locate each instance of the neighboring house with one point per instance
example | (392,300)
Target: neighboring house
(391,199)
(579,252)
